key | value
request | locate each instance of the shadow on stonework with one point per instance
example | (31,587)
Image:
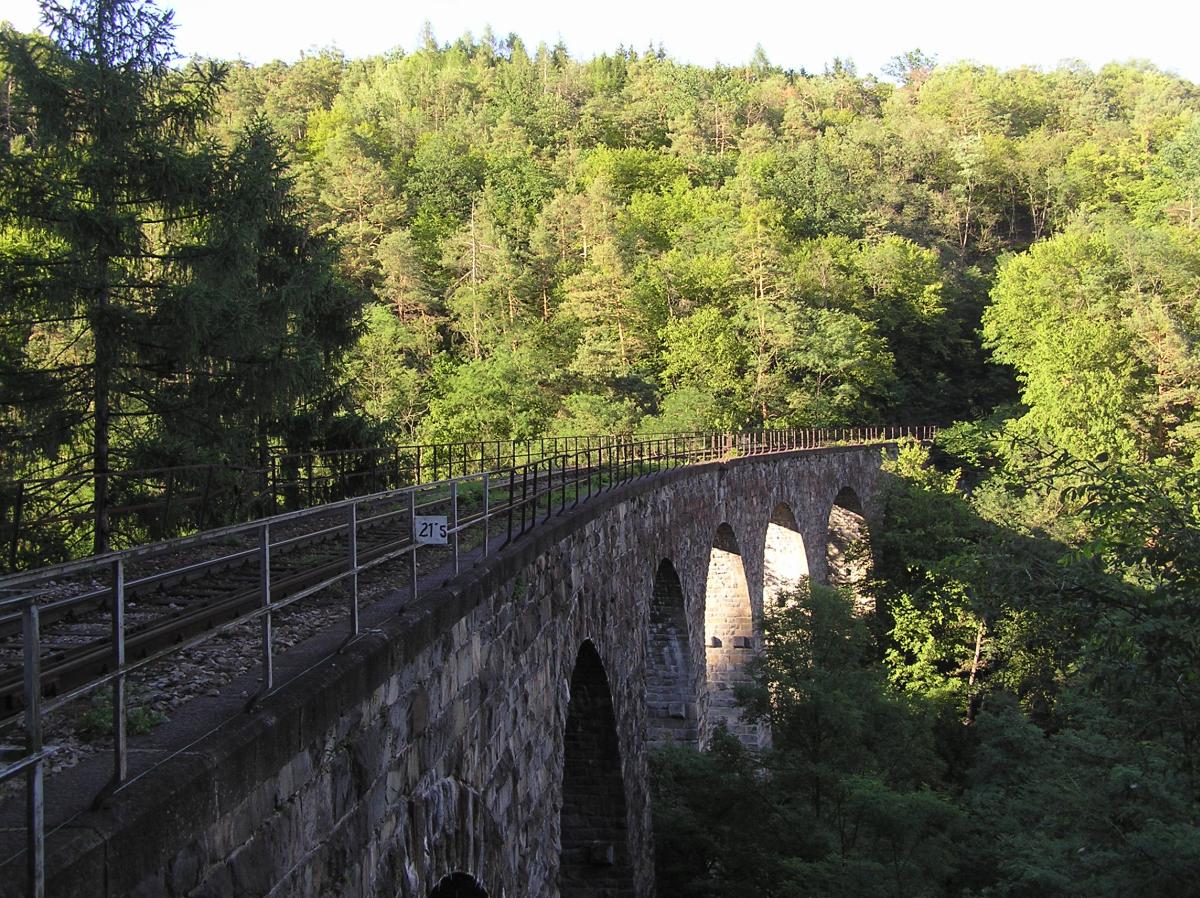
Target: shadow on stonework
(458,885)
(595,861)
(848,550)
(671,707)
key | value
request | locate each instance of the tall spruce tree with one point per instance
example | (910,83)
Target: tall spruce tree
(166,300)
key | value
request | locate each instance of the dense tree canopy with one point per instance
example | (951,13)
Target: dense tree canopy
(570,228)
(165,300)
(835,235)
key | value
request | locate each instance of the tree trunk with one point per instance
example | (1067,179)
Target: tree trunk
(973,699)
(104,365)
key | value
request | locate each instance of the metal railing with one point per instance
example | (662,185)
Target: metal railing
(50,517)
(515,495)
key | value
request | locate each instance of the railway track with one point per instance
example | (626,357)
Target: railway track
(177,596)
(213,580)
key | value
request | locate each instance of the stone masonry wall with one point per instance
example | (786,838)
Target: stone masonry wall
(729,634)
(672,709)
(594,860)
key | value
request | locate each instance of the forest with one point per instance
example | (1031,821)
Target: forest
(203,262)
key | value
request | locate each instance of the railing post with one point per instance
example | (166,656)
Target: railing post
(412,531)
(454,520)
(512,495)
(525,492)
(120,754)
(166,514)
(264,556)
(352,524)
(35,777)
(486,511)
(18,508)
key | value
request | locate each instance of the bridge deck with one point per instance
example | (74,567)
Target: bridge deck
(547,489)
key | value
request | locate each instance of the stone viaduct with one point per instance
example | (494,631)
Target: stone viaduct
(493,739)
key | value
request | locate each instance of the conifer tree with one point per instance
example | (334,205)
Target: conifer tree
(156,279)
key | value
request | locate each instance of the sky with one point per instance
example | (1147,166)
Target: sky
(794,34)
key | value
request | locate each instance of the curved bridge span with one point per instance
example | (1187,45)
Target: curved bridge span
(492,739)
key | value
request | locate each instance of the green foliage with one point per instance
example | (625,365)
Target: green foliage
(1032,728)
(635,244)
(718,830)
(96,723)
(849,801)
(705,359)
(170,301)
(1086,810)
(843,230)
(1100,323)
(500,398)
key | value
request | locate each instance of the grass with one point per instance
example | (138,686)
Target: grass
(96,724)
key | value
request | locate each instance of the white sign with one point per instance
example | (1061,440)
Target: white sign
(431,529)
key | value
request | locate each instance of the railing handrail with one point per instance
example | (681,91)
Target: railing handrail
(41,519)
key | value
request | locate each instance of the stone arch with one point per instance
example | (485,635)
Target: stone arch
(453,830)
(593,828)
(848,549)
(671,706)
(785,560)
(729,633)
(459,885)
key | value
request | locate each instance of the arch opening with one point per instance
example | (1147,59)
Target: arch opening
(671,707)
(729,635)
(785,561)
(595,857)
(458,885)
(848,549)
